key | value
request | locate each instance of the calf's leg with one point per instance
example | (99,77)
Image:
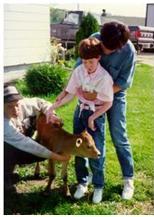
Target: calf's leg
(52,175)
(37,170)
(64,177)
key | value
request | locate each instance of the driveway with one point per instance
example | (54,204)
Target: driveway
(146,58)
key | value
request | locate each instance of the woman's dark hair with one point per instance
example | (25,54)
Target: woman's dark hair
(114,35)
(90,48)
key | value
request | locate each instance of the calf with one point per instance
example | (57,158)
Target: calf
(59,141)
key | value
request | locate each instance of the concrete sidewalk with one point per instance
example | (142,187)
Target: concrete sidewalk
(146,58)
(12,76)
(15,72)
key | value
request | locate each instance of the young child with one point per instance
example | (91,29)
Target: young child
(94,88)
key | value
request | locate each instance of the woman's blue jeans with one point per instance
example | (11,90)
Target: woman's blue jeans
(117,125)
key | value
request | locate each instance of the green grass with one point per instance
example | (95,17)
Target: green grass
(140,124)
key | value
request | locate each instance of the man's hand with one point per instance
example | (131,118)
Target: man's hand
(59,157)
(51,117)
(91,123)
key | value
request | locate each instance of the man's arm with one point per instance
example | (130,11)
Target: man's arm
(126,74)
(31,106)
(20,141)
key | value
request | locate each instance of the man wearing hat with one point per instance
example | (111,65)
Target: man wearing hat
(19,148)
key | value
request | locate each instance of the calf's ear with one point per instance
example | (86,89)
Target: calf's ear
(84,132)
(78,142)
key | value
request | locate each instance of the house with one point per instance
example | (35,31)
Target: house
(26,37)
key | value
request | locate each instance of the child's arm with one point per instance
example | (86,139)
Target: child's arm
(71,87)
(61,95)
(67,98)
(116,88)
(99,111)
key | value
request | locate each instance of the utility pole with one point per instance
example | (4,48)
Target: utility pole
(78,7)
(103,15)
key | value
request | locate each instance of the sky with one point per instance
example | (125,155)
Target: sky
(115,7)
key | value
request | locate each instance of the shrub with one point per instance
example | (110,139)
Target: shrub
(70,53)
(70,64)
(56,15)
(45,78)
(22,87)
(57,51)
(88,26)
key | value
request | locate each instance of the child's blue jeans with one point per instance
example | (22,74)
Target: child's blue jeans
(117,126)
(96,165)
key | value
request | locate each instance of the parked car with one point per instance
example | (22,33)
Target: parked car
(142,37)
(67,28)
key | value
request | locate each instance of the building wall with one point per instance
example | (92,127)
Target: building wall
(26,34)
(150,15)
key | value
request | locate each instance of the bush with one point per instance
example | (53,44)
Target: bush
(88,26)
(45,78)
(22,87)
(70,53)
(70,64)
(57,51)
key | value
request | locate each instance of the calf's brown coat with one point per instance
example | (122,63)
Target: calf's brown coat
(56,139)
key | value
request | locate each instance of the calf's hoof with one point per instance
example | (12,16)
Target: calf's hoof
(37,176)
(47,192)
(66,191)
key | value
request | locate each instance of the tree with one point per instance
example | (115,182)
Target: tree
(88,26)
(56,15)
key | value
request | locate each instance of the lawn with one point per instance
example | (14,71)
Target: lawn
(140,123)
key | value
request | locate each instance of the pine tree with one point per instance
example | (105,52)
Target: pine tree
(88,26)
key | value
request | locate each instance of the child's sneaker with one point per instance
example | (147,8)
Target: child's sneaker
(97,195)
(128,189)
(80,192)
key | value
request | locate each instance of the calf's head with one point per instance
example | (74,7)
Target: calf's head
(85,146)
